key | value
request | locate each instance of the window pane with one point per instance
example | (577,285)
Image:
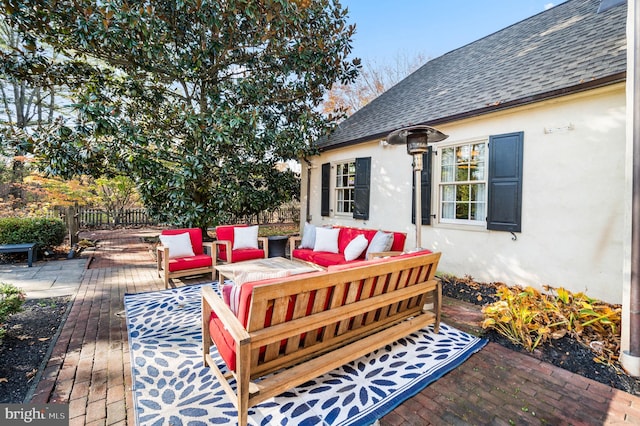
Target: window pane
(447,173)
(462,193)
(478,211)
(477,171)
(462,173)
(477,152)
(448,193)
(448,156)
(462,153)
(462,211)
(477,192)
(448,210)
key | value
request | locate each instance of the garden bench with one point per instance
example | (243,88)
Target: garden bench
(29,248)
(289,330)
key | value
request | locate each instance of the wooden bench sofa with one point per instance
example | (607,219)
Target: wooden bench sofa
(289,330)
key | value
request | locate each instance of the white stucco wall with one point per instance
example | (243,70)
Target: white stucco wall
(573,197)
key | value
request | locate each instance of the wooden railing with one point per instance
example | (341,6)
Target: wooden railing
(90,217)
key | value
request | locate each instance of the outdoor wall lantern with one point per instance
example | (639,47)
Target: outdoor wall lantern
(417,139)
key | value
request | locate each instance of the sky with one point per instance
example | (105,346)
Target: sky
(388,29)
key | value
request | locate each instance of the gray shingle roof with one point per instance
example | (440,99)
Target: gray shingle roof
(565,49)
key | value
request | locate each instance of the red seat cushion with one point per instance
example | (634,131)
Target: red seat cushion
(195,234)
(190,262)
(303,254)
(246,254)
(325,258)
(322,258)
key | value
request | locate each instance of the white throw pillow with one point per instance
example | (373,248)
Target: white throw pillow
(245,237)
(382,241)
(326,239)
(179,245)
(354,249)
(308,236)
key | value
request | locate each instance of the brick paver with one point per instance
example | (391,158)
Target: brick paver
(90,367)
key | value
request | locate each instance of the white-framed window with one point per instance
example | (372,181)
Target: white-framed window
(463,183)
(345,187)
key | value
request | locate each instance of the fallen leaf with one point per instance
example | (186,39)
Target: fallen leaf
(44,339)
(3,380)
(479,298)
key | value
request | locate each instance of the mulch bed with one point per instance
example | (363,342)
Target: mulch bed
(25,348)
(566,352)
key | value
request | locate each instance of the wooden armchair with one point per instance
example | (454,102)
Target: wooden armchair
(235,243)
(181,253)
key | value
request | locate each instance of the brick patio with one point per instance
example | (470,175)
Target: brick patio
(89,368)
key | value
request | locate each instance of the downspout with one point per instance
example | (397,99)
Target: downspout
(309,167)
(631,358)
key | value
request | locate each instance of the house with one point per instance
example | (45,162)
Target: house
(529,187)
(538,181)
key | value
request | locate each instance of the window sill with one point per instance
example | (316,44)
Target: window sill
(461,227)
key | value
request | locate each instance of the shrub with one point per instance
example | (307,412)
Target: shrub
(11,300)
(528,317)
(45,232)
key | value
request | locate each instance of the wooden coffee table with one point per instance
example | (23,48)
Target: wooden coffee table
(229,270)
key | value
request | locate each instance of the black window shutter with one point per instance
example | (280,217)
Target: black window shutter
(505,182)
(362,188)
(425,189)
(324,193)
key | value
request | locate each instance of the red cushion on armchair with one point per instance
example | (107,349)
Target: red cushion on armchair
(190,262)
(225,233)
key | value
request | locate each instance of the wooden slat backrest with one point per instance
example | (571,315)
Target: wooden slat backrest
(302,310)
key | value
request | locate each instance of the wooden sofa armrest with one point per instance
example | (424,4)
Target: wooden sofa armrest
(296,239)
(383,254)
(225,243)
(162,258)
(212,251)
(211,302)
(265,245)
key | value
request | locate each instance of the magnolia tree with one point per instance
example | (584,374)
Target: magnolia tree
(195,100)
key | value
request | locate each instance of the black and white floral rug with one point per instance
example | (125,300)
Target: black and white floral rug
(171,386)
